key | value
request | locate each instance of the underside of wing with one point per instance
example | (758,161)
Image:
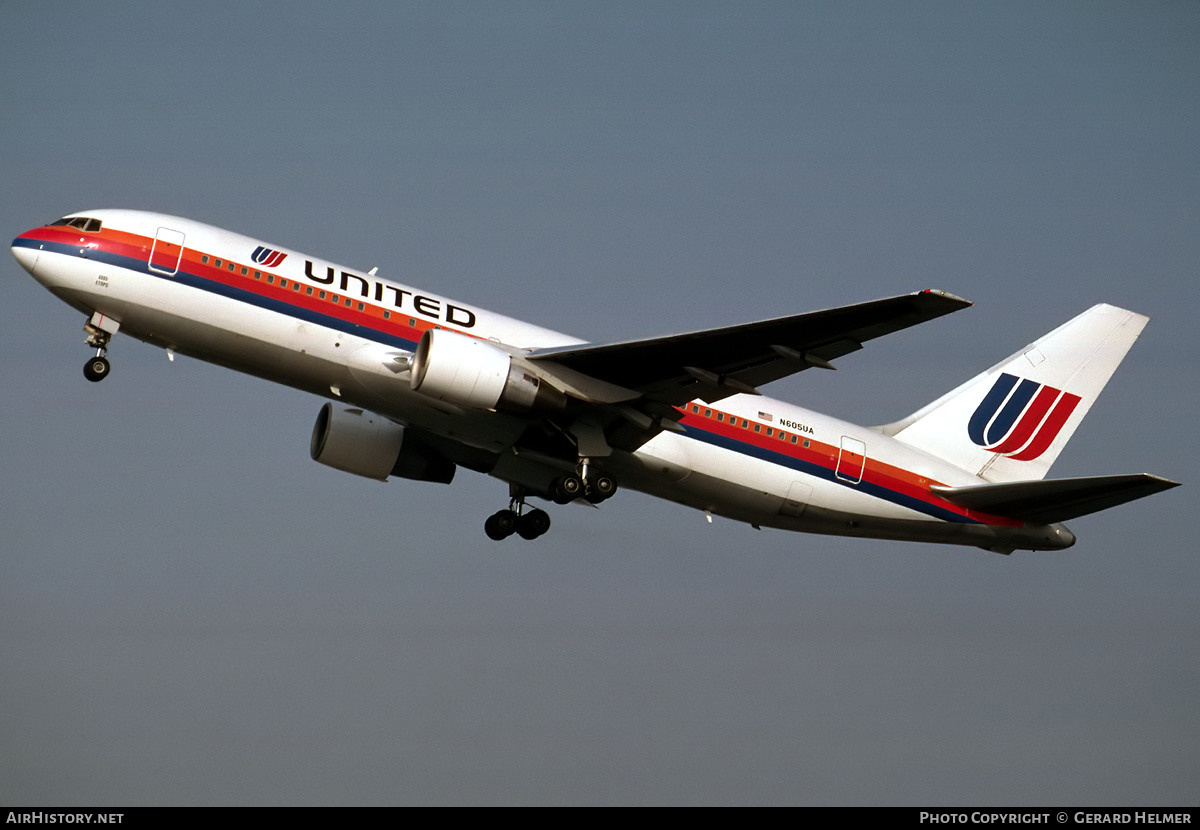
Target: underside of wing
(1055,500)
(715,363)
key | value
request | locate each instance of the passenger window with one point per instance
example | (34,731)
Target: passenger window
(245,270)
(758,427)
(231,267)
(282,282)
(204,259)
(721,416)
(322,294)
(270,278)
(387,315)
(217,263)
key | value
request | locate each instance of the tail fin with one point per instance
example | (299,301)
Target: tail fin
(1011,422)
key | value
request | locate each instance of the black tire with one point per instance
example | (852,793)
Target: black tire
(567,489)
(600,488)
(96,369)
(533,524)
(500,526)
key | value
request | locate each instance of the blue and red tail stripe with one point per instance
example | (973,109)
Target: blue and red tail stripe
(818,459)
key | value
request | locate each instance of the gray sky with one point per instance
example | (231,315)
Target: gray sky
(193,612)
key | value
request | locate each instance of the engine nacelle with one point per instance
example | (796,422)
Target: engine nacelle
(475,374)
(365,444)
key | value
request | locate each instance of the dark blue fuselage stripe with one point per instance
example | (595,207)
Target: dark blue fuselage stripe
(329,321)
(819,471)
(239,294)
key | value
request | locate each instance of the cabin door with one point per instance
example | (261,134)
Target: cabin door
(168,248)
(851,460)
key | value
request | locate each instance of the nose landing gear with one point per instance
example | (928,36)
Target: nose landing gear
(100,330)
(96,369)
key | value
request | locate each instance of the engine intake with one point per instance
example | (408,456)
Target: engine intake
(369,445)
(476,374)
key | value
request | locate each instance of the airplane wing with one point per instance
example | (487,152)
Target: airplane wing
(1055,500)
(715,363)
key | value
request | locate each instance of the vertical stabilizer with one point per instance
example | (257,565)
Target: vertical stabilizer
(1011,422)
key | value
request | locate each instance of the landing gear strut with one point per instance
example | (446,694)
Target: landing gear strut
(528,524)
(586,483)
(100,330)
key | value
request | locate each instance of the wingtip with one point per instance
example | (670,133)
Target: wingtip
(946,295)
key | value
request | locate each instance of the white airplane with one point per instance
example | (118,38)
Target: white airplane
(423,384)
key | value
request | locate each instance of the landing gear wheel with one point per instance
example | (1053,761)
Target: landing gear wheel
(600,488)
(533,524)
(501,525)
(100,330)
(567,489)
(96,369)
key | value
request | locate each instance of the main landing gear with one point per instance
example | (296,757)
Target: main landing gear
(100,330)
(591,485)
(588,483)
(527,524)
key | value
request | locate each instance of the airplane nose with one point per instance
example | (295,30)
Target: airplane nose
(28,257)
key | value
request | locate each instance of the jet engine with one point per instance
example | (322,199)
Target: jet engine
(365,444)
(476,374)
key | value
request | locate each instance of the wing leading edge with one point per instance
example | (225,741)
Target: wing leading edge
(715,363)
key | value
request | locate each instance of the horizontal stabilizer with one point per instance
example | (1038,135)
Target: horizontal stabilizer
(1055,500)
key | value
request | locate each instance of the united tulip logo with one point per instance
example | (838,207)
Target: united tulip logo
(266,257)
(1020,418)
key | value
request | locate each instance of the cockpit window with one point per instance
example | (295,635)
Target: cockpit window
(84,223)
